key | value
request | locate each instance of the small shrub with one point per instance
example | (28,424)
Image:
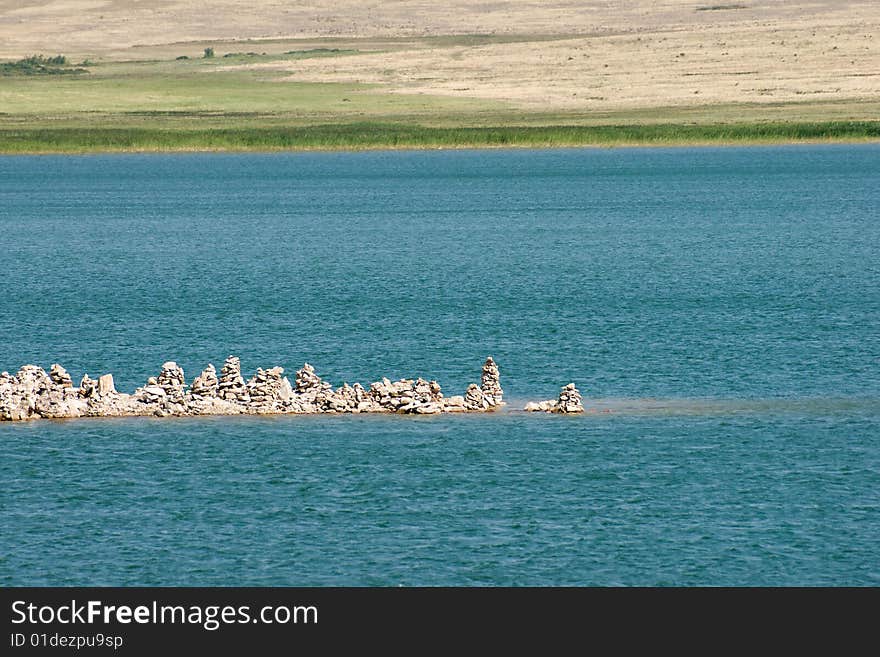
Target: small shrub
(721,7)
(39,65)
(182,57)
(209,53)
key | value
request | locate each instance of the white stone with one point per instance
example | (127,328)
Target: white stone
(105,385)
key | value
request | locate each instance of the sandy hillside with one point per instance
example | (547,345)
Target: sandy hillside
(607,54)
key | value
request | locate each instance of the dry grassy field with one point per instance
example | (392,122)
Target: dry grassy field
(451,64)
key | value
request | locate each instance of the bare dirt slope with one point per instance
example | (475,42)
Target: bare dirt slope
(604,54)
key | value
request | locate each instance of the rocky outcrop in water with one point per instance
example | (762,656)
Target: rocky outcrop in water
(569,401)
(33,393)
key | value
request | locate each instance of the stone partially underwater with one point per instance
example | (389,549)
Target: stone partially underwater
(33,393)
(569,401)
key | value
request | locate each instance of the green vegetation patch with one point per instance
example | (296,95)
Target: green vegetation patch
(360,136)
(40,65)
(721,7)
(322,52)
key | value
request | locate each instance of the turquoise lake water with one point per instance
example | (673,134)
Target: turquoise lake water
(723,304)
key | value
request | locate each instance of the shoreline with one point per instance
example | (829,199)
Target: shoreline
(462,147)
(394,137)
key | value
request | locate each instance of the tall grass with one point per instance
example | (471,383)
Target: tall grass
(356,136)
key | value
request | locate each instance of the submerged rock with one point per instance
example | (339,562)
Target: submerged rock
(546,406)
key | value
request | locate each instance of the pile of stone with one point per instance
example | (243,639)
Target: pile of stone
(165,390)
(488,396)
(404,396)
(172,381)
(312,395)
(59,376)
(569,401)
(206,394)
(205,384)
(152,393)
(307,379)
(88,387)
(269,390)
(348,399)
(231,385)
(344,400)
(490,384)
(474,399)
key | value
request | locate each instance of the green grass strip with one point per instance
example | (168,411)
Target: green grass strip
(357,136)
